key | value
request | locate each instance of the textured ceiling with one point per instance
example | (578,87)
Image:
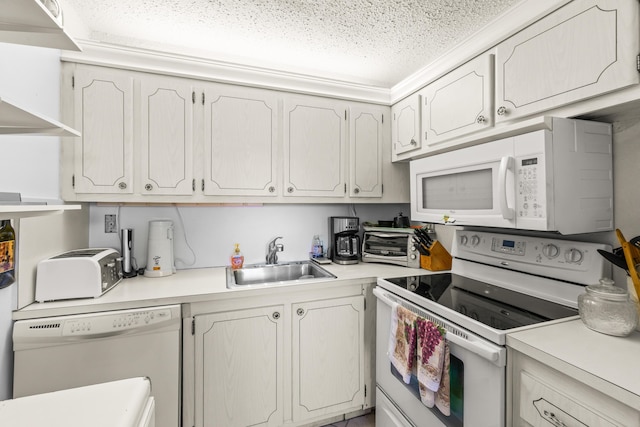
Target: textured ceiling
(371,42)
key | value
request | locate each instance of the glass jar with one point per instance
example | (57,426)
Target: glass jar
(607,309)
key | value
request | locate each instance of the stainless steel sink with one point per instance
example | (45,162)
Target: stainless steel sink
(263,274)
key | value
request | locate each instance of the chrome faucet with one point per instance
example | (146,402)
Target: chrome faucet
(272,251)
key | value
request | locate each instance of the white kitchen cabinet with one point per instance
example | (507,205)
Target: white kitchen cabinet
(542,396)
(366,139)
(584,49)
(289,357)
(240,141)
(458,103)
(238,367)
(103,101)
(405,127)
(166,135)
(314,147)
(29,22)
(328,357)
(165,139)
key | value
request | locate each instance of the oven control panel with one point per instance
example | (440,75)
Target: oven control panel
(556,258)
(508,246)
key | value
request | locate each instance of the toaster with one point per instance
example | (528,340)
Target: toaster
(81,273)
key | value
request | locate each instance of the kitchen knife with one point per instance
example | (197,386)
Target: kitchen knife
(424,250)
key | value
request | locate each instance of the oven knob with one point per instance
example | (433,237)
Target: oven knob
(412,256)
(475,240)
(574,256)
(463,240)
(550,250)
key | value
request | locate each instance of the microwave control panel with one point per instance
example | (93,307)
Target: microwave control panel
(530,187)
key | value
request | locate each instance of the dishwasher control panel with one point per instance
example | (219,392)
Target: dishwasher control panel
(121,321)
(96,325)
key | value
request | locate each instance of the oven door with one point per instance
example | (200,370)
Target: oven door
(473,186)
(477,372)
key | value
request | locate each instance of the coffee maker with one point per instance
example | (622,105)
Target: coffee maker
(344,244)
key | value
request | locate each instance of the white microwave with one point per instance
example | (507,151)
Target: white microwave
(559,180)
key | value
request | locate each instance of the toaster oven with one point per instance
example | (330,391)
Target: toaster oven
(390,246)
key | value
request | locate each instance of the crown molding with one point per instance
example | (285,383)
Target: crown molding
(147,60)
(95,53)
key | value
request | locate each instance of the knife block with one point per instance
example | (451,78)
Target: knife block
(440,258)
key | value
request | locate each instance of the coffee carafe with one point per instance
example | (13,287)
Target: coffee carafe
(344,245)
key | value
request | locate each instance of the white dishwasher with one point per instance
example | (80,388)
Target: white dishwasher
(56,353)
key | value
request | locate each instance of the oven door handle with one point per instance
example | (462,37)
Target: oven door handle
(470,343)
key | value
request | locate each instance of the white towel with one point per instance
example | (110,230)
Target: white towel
(402,340)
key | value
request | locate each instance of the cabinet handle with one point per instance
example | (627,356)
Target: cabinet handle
(193,185)
(272,189)
(122,185)
(502,111)
(148,187)
(300,311)
(356,190)
(290,190)
(276,315)
(481,119)
(413,142)
(554,419)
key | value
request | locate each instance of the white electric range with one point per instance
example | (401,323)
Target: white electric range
(499,283)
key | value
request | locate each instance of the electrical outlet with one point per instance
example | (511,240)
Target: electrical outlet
(110,224)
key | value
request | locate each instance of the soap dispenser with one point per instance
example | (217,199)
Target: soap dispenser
(237,259)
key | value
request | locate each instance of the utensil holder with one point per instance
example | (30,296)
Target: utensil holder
(440,258)
(633,296)
(632,256)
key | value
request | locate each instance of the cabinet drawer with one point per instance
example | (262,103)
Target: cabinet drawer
(542,405)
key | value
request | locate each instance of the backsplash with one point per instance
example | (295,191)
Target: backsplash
(204,236)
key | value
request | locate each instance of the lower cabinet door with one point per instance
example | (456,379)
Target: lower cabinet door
(239,372)
(328,358)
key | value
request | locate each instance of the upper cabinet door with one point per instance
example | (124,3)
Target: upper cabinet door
(405,128)
(583,49)
(103,100)
(166,129)
(314,147)
(459,103)
(240,141)
(365,151)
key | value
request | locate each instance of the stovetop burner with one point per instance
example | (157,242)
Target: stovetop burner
(494,306)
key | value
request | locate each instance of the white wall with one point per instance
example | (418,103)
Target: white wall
(211,232)
(29,76)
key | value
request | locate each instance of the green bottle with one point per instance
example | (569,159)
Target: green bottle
(7,254)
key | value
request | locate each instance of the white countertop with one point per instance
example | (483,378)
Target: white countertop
(197,285)
(112,404)
(604,362)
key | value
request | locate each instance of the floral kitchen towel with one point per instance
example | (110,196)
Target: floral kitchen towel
(402,341)
(431,356)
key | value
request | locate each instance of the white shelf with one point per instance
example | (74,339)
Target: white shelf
(27,211)
(17,120)
(29,22)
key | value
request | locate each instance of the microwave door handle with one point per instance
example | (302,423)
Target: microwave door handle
(506,164)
